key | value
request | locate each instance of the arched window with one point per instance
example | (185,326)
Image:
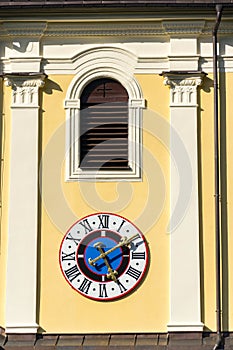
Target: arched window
(104,105)
(104,126)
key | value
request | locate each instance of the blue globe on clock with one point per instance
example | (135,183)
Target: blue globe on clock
(103,256)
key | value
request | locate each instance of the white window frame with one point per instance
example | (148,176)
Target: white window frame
(72,107)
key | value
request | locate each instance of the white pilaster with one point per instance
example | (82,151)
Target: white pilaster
(184,53)
(21,290)
(185,296)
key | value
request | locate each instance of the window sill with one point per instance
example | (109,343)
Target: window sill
(104,175)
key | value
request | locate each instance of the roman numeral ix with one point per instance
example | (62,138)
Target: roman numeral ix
(70,256)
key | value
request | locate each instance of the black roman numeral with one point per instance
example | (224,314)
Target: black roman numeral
(70,256)
(85,286)
(76,240)
(133,273)
(86,226)
(104,221)
(139,255)
(72,273)
(123,221)
(122,288)
(103,291)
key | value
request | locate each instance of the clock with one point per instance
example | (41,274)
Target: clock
(103,256)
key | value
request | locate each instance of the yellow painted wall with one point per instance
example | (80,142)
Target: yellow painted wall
(207,237)
(207,200)
(61,309)
(145,203)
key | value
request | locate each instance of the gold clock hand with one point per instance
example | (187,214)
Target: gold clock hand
(111,273)
(124,241)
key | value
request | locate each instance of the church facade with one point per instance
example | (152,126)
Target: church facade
(116,175)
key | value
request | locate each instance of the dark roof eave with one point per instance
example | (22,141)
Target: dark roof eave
(17,4)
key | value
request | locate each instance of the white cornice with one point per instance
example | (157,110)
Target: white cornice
(112,28)
(151,45)
(83,29)
(23,29)
(183,27)
(226,27)
(158,27)
(106,29)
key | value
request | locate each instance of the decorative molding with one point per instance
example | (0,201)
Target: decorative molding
(25,89)
(102,56)
(182,81)
(104,29)
(72,104)
(24,81)
(226,27)
(46,29)
(25,53)
(183,87)
(190,27)
(22,64)
(118,28)
(154,65)
(105,61)
(23,29)
(137,103)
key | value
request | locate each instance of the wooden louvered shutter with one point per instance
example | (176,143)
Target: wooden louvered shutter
(104,126)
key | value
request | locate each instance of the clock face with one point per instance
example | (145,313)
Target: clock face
(103,256)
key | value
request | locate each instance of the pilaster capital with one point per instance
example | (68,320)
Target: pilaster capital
(24,80)
(184,79)
(25,88)
(183,86)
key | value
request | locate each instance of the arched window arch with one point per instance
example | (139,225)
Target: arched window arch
(128,94)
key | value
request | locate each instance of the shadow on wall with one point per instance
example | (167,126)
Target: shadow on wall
(50,85)
(207,86)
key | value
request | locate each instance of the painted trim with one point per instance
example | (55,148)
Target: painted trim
(32,45)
